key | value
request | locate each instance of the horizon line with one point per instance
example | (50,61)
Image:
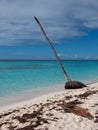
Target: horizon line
(47,59)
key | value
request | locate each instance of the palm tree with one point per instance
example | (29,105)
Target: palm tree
(69,84)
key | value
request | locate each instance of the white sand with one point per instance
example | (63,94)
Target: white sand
(50,114)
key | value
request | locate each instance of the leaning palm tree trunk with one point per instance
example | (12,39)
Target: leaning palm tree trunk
(57,58)
(69,84)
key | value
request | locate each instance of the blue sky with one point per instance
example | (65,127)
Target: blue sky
(71,25)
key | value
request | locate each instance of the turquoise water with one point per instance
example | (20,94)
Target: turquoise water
(16,77)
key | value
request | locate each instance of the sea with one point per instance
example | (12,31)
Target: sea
(19,76)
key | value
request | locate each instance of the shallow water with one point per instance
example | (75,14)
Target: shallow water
(17,77)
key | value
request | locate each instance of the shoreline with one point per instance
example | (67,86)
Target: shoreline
(10,102)
(57,110)
(29,95)
(33,93)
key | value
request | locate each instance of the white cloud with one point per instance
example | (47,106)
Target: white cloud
(61,19)
(59,54)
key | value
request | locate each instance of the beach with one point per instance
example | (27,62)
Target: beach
(75,109)
(48,65)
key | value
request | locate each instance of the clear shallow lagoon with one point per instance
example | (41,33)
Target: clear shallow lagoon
(16,76)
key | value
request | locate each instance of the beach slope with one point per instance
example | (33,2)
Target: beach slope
(64,110)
